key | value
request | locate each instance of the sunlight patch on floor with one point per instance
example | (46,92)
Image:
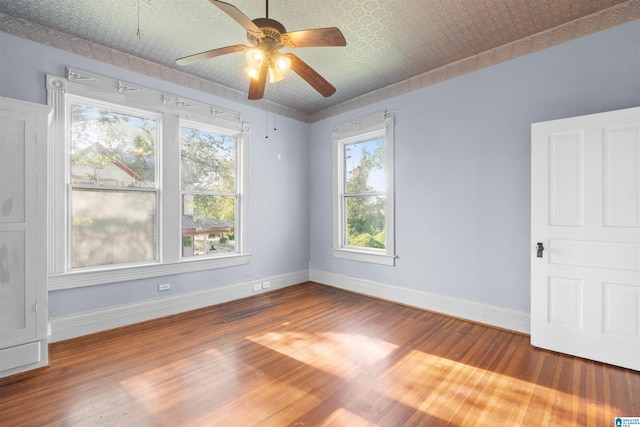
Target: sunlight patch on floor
(343,418)
(471,393)
(343,355)
(262,407)
(203,370)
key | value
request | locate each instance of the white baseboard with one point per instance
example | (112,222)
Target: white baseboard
(76,325)
(514,320)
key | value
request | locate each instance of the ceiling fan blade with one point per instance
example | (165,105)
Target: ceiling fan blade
(210,54)
(239,17)
(312,38)
(256,86)
(311,76)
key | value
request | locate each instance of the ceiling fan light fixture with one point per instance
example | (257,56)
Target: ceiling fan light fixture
(254,58)
(253,72)
(278,67)
(274,76)
(281,63)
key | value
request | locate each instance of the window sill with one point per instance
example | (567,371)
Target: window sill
(79,279)
(362,256)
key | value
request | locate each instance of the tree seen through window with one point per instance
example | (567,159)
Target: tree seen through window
(365,192)
(209,192)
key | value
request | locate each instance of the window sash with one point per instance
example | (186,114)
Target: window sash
(95,229)
(135,131)
(85,220)
(219,233)
(373,213)
(226,243)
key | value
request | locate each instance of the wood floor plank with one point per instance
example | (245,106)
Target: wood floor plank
(312,355)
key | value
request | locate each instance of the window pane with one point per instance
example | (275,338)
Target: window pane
(208,161)
(109,148)
(365,166)
(111,227)
(208,225)
(365,221)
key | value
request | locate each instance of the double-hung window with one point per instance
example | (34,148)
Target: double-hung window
(113,185)
(209,190)
(141,183)
(363,190)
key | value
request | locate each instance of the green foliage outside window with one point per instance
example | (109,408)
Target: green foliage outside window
(208,182)
(365,190)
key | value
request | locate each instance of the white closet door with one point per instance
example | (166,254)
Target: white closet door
(23,302)
(585,212)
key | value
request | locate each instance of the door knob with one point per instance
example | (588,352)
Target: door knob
(540,249)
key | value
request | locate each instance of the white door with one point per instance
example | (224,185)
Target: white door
(17,299)
(585,212)
(23,288)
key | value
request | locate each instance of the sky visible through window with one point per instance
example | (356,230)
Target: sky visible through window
(354,154)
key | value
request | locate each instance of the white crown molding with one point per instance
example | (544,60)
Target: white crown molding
(500,317)
(607,18)
(60,40)
(67,327)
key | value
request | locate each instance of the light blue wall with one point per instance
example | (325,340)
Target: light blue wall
(463,166)
(462,171)
(279,182)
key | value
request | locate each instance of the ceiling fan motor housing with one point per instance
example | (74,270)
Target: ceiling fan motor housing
(272,30)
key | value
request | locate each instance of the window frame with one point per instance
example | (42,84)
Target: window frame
(191,124)
(362,130)
(72,99)
(170,110)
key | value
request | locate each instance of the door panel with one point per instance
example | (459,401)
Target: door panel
(585,210)
(614,255)
(18,229)
(12,170)
(566,184)
(621,171)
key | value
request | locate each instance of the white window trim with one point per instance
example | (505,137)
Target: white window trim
(240,178)
(173,109)
(364,128)
(123,109)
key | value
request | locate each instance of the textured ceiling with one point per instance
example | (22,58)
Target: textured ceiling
(388,42)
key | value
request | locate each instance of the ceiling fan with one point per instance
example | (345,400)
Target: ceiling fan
(266,37)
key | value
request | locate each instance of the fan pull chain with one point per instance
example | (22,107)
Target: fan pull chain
(266,123)
(138,32)
(275,114)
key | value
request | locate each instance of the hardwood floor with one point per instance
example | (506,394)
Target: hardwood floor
(312,355)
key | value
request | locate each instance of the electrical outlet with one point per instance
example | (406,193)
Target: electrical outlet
(164,287)
(266,285)
(257,287)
